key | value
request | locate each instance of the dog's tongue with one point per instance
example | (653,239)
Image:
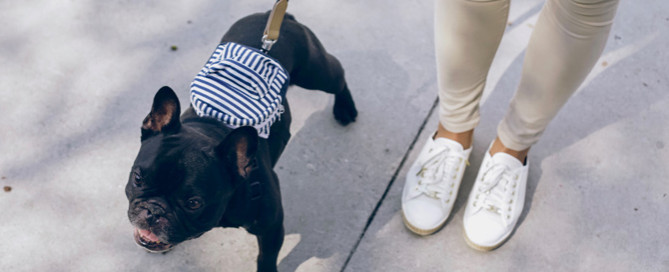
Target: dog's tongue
(148,235)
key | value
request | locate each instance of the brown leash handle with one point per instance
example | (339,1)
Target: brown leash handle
(271,33)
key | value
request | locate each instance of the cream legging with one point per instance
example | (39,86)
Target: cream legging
(568,38)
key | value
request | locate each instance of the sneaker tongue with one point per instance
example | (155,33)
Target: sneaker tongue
(449,143)
(506,159)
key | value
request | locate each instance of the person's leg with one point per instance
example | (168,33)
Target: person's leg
(464,138)
(567,41)
(467,34)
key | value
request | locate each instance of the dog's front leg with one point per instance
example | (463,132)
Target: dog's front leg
(269,244)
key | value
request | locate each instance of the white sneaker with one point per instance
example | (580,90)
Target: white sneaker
(495,202)
(432,184)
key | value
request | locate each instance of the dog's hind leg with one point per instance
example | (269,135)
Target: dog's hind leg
(322,71)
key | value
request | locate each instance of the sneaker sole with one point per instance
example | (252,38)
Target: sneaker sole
(419,231)
(480,247)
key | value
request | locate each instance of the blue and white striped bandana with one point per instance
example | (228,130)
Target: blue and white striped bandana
(240,87)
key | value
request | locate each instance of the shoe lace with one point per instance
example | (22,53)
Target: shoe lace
(495,194)
(438,174)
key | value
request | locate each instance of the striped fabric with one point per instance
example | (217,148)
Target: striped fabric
(240,87)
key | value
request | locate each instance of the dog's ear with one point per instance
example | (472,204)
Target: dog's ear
(238,150)
(164,115)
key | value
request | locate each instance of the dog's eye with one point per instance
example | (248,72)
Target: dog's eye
(137,178)
(194,203)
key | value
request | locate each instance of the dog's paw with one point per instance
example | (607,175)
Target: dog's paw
(344,109)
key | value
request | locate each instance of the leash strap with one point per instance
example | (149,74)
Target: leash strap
(271,33)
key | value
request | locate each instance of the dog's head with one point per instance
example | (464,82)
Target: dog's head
(182,179)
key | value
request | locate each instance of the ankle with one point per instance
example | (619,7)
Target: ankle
(463,138)
(498,146)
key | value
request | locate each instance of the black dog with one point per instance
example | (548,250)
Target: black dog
(193,173)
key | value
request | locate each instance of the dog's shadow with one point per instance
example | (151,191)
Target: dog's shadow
(331,175)
(319,213)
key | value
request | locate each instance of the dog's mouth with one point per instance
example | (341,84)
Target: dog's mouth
(150,242)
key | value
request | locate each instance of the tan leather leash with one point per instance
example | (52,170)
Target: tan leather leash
(271,33)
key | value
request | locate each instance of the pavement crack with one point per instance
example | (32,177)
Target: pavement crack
(370,219)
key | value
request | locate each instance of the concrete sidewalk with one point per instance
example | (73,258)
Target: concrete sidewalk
(78,77)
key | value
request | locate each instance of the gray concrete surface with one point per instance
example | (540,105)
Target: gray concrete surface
(77,78)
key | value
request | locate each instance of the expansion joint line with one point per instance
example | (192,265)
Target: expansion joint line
(390,184)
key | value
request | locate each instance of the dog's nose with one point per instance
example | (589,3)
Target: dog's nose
(152,217)
(154,213)
(149,214)
(155,210)
(152,220)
